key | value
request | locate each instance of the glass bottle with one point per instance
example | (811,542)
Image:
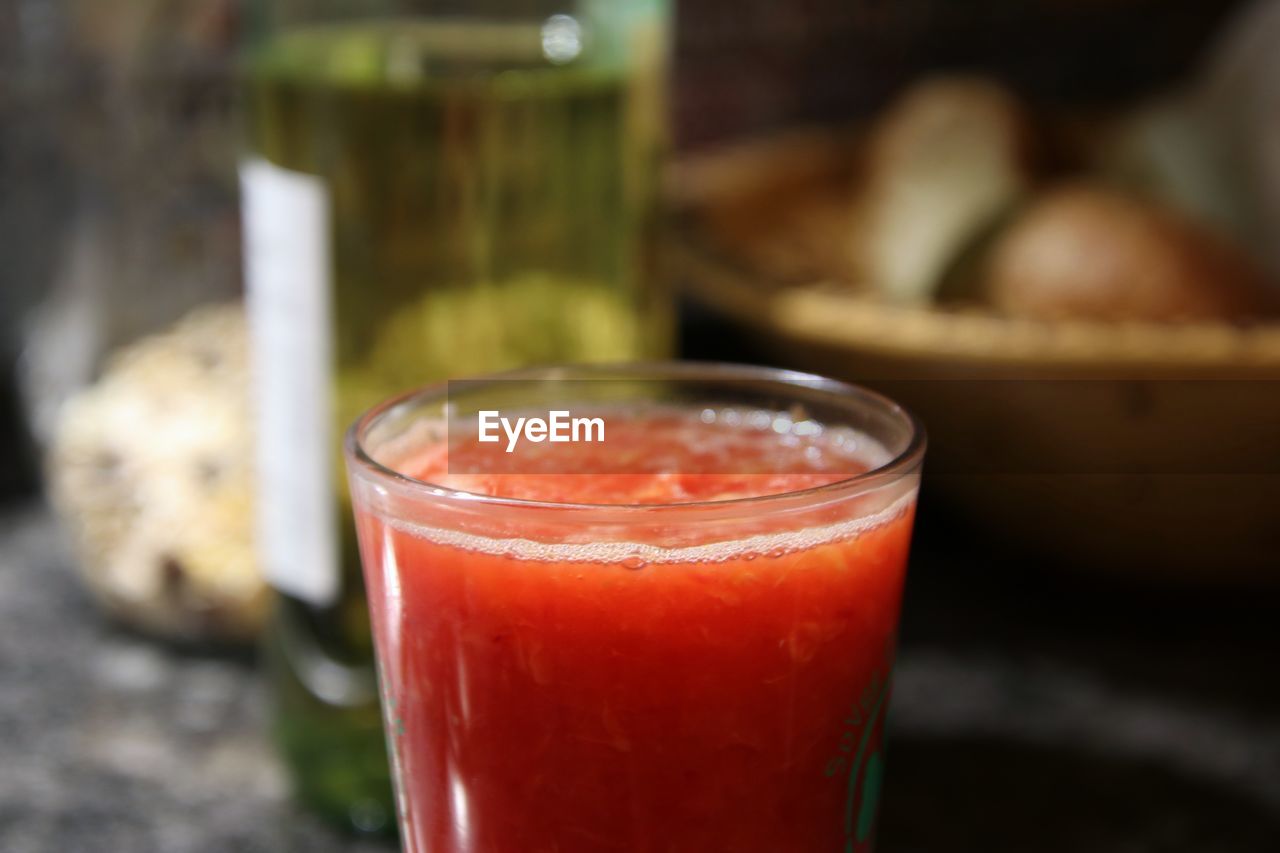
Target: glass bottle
(430,190)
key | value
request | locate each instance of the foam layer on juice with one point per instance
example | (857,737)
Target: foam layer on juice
(672,457)
(639,555)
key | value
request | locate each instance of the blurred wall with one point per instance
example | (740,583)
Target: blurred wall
(748,65)
(35,195)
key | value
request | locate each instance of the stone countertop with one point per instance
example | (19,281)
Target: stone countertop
(111,742)
(1031,713)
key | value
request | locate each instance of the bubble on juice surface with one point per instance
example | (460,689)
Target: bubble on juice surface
(806,428)
(847,439)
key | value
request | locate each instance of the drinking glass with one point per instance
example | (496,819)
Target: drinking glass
(572,675)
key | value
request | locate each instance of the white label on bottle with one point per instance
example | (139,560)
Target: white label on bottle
(288,296)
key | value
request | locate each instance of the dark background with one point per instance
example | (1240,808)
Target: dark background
(751,65)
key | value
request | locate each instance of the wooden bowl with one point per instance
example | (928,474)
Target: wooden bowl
(1141,448)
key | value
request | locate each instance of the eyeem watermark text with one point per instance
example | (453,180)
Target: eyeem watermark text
(559,426)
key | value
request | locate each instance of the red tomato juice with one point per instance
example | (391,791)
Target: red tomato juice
(559,697)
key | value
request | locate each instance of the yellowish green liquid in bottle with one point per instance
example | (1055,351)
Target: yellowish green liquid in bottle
(493,203)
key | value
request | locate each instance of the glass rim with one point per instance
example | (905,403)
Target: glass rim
(895,468)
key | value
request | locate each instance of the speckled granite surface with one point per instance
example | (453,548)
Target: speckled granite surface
(109,742)
(1029,718)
